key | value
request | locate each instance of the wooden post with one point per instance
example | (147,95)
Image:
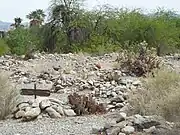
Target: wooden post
(158,50)
(35,96)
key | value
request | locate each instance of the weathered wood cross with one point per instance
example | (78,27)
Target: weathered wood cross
(35,92)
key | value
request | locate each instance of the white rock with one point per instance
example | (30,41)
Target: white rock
(44,103)
(27,108)
(19,114)
(58,87)
(32,113)
(60,110)
(40,117)
(52,113)
(119,105)
(37,101)
(56,101)
(110,106)
(121,134)
(114,94)
(128,130)
(107,84)
(23,105)
(150,130)
(69,112)
(138,119)
(124,115)
(115,131)
(137,83)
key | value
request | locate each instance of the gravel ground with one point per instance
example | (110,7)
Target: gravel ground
(65,126)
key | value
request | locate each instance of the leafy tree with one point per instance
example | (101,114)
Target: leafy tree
(104,29)
(62,13)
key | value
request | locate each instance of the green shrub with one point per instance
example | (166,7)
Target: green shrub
(21,40)
(3,47)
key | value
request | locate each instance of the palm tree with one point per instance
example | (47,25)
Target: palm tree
(18,21)
(36,17)
(62,13)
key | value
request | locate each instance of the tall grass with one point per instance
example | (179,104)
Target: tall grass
(9,96)
(160,96)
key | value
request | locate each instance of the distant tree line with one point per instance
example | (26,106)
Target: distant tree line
(71,28)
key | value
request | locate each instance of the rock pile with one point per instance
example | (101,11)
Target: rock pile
(42,107)
(107,85)
(135,124)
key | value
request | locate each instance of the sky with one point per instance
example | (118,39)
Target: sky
(9,9)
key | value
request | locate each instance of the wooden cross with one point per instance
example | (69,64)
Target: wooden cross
(36,92)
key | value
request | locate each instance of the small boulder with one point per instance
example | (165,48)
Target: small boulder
(52,113)
(122,117)
(69,112)
(31,114)
(128,130)
(44,104)
(150,130)
(59,109)
(22,105)
(115,131)
(19,114)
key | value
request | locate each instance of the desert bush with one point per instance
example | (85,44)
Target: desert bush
(9,97)
(139,64)
(160,95)
(82,104)
(21,40)
(3,47)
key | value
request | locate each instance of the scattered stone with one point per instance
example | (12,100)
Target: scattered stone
(19,114)
(122,117)
(31,114)
(121,134)
(115,131)
(52,113)
(150,130)
(141,122)
(121,124)
(60,110)
(44,104)
(128,130)
(22,105)
(69,112)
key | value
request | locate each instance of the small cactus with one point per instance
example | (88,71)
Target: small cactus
(82,104)
(139,65)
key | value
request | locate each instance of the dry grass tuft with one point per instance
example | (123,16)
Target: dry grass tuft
(8,97)
(160,96)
